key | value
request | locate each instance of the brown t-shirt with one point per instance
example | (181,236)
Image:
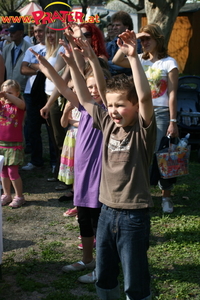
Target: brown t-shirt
(127,155)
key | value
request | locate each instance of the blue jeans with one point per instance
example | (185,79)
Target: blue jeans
(123,236)
(162,121)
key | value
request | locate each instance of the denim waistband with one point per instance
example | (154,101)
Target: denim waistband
(143,210)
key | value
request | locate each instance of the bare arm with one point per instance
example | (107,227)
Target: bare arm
(88,52)
(172,92)
(74,32)
(73,122)
(15,100)
(2,68)
(64,121)
(29,69)
(79,83)
(59,82)
(54,96)
(120,59)
(129,48)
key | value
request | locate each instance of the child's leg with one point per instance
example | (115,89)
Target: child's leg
(15,178)
(6,183)
(87,249)
(132,246)
(88,219)
(18,200)
(17,184)
(107,258)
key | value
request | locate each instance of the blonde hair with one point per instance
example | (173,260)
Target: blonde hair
(14,84)
(51,50)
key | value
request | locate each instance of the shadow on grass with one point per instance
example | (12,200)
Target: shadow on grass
(52,202)
(38,280)
(9,244)
(189,273)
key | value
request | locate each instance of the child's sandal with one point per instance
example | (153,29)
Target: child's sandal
(17,202)
(5,199)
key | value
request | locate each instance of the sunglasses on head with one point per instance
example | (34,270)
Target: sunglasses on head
(87,34)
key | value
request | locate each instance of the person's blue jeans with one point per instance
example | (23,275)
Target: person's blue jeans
(162,121)
(123,236)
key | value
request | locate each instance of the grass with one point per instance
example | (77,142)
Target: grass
(174,253)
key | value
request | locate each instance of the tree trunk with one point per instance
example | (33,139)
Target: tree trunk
(163,13)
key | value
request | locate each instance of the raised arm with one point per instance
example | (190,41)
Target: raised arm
(13,99)
(59,82)
(54,96)
(79,83)
(86,49)
(72,33)
(120,59)
(128,45)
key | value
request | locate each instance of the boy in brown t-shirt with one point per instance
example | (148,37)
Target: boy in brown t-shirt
(129,134)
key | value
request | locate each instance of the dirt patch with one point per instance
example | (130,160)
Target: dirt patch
(38,241)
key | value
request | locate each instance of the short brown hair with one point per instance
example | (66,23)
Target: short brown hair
(123,83)
(124,17)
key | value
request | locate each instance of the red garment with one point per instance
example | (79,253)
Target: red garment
(11,123)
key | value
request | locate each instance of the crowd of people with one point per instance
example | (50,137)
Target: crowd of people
(106,103)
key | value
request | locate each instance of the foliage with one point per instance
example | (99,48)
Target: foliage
(11,5)
(162,12)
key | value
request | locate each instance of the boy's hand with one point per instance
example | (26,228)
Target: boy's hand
(127,42)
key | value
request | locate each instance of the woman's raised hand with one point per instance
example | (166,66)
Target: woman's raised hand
(127,42)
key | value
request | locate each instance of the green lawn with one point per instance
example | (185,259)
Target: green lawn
(174,253)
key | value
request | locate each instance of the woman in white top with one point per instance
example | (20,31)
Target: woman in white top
(162,73)
(53,48)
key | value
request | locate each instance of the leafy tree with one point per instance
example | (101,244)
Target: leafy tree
(162,12)
(11,5)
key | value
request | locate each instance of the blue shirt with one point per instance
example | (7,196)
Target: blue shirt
(112,48)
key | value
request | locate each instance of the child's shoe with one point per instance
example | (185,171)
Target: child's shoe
(71,212)
(80,246)
(17,202)
(5,199)
(167,205)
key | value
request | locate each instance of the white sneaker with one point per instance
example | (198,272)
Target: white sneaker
(167,205)
(88,278)
(28,167)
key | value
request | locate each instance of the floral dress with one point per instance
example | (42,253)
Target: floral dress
(66,171)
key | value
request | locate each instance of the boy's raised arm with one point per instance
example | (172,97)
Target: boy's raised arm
(128,45)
